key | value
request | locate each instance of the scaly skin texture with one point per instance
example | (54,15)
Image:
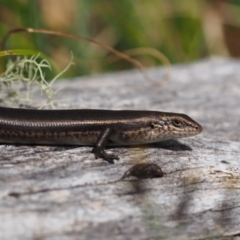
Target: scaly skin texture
(93,127)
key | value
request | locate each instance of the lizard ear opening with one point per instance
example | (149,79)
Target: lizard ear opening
(152,125)
(157,124)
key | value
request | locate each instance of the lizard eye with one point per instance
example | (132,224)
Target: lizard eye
(177,123)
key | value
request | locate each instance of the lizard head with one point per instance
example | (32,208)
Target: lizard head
(175,125)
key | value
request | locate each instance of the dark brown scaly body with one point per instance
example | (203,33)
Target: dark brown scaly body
(93,127)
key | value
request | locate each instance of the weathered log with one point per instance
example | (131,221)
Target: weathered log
(56,192)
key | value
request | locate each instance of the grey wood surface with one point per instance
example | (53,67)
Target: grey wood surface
(64,193)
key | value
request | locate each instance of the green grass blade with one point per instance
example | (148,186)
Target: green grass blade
(23,52)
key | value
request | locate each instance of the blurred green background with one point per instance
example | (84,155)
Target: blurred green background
(182,30)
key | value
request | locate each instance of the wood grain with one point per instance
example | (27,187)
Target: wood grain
(64,193)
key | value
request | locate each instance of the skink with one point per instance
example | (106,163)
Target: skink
(93,127)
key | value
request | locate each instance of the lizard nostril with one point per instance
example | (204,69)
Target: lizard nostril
(199,128)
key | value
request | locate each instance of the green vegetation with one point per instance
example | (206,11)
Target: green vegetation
(182,30)
(22,75)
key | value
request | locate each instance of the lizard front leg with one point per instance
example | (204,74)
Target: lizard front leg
(101,142)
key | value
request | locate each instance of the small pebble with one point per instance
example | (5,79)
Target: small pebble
(144,170)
